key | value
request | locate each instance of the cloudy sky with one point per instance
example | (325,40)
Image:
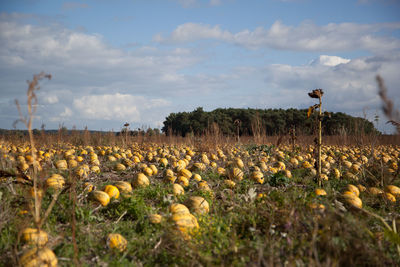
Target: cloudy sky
(136,61)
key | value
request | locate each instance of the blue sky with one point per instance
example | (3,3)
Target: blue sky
(137,61)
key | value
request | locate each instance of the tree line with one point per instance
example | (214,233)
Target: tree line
(250,121)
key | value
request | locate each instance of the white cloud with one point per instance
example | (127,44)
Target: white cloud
(305,37)
(66,113)
(118,106)
(330,60)
(190,32)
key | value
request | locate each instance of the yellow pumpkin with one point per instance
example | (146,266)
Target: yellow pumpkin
(394,190)
(177,208)
(31,236)
(375,191)
(390,197)
(119,167)
(198,205)
(163,162)
(183,181)
(141,180)
(95,169)
(178,190)
(101,197)
(72,163)
(123,186)
(320,192)
(197,177)
(235,174)
(185,223)
(148,171)
(117,241)
(55,181)
(353,200)
(155,218)
(186,173)
(354,189)
(34,258)
(62,164)
(203,185)
(336,173)
(229,183)
(154,169)
(257,176)
(112,191)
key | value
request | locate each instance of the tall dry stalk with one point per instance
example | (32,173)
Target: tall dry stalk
(27,121)
(317,93)
(256,127)
(237,123)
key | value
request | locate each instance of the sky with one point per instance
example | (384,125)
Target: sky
(137,61)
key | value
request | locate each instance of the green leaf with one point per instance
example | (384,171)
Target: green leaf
(392,236)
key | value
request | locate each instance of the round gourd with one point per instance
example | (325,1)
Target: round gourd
(101,197)
(61,164)
(95,169)
(235,174)
(72,163)
(375,191)
(124,187)
(336,173)
(178,190)
(185,223)
(198,205)
(112,191)
(354,189)
(183,181)
(34,258)
(155,218)
(55,181)
(148,171)
(239,163)
(196,177)
(177,208)
(257,176)
(154,169)
(141,180)
(394,190)
(163,162)
(390,197)
(81,172)
(119,167)
(320,192)
(203,185)
(186,173)
(229,183)
(116,241)
(31,236)
(353,200)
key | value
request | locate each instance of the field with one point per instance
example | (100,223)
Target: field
(244,204)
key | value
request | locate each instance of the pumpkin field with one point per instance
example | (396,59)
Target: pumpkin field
(85,199)
(185,204)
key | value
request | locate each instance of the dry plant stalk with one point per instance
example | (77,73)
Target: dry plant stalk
(387,105)
(237,123)
(32,107)
(317,93)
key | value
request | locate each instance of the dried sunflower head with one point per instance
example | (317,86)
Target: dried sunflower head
(316,93)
